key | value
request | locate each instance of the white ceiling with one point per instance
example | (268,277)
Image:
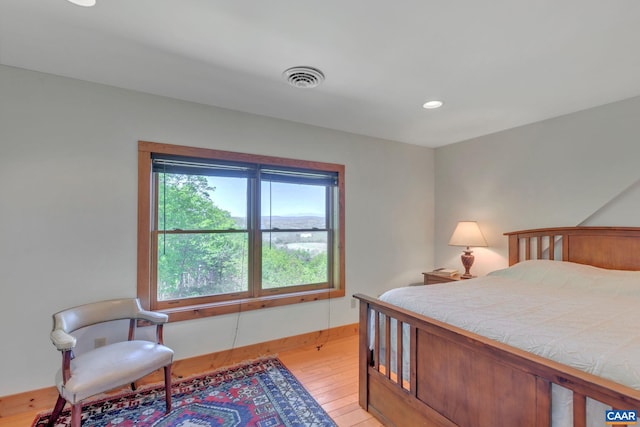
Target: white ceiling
(496,64)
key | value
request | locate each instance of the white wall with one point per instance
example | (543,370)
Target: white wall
(68,176)
(578,169)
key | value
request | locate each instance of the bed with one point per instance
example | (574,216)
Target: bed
(447,368)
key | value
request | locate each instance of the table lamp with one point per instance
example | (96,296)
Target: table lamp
(467,233)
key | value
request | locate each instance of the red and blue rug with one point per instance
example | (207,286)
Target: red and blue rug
(262,393)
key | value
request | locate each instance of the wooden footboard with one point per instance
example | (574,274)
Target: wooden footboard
(457,378)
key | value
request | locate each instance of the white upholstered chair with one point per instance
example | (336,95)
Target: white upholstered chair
(110,366)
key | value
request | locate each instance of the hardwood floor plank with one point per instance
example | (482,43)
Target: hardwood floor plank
(331,376)
(352,418)
(370,422)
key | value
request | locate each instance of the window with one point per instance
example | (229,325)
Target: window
(220,232)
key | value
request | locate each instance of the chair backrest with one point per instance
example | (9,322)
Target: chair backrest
(78,317)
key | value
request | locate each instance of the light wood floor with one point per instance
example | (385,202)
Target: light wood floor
(330,374)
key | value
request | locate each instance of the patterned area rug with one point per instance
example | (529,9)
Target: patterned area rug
(262,393)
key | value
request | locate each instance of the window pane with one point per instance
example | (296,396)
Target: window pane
(230,195)
(294,258)
(291,206)
(193,202)
(202,264)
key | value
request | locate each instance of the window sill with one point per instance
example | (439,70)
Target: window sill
(228,307)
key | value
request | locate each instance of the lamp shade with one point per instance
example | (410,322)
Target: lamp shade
(467,233)
(84,3)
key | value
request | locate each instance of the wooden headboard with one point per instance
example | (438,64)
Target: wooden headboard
(616,248)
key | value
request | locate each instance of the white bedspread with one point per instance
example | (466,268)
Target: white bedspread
(582,316)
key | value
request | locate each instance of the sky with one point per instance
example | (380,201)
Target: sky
(287,199)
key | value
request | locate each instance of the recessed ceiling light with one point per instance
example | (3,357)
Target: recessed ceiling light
(85,3)
(430,105)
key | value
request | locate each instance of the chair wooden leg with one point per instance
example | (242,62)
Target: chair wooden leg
(76,415)
(167,387)
(56,411)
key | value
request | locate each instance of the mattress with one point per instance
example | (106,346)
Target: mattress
(578,315)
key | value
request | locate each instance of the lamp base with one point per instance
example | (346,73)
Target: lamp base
(467,261)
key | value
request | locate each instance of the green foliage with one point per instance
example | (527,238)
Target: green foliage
(185,204)
(192,265)
(199,264)
(285,267)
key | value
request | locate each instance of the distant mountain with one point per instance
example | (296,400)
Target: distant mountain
(292,222)
(288,222)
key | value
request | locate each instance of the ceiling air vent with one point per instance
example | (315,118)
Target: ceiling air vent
(303,77)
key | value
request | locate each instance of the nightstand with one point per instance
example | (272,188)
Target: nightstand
(431,278)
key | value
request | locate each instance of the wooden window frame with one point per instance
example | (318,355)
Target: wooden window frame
(192,310)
